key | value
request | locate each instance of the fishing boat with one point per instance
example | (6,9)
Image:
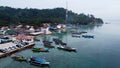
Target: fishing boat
(63,44)
(83,32)
(18,58)
(46,41)
(88,36)
(74,35)
(38,61)
(66,48)
(58,41)
(49,45)
(36,39)
(40,49)
(52,28)
(79,33)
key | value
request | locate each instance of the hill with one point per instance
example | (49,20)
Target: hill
(31,16)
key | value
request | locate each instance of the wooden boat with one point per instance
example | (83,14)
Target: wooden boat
(36,39)
(18,58)
(79,33)
(40,49)
(46,41)
(63,44)
(38,61)
(53,28)
(49,45)
(58,41)
(76,33)
(66,48)
(82,32)
(73,35)
(88,36)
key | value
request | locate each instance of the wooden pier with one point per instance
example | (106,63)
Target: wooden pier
(15,50)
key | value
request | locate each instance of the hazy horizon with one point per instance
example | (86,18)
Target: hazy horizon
(108,10)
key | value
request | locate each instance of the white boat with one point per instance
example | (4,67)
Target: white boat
(36,33)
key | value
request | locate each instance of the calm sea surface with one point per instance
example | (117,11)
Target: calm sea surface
(101,52)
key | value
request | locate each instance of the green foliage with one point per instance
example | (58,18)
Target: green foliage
(36,17)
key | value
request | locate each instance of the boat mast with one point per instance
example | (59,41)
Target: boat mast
(66,19)
(66,15)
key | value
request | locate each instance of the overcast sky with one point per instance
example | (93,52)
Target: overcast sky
(105,9)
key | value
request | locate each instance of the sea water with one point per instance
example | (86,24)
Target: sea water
(102,51)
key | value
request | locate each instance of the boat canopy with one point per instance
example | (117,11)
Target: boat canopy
(39,60)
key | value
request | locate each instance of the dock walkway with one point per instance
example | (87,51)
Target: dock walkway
(10,44)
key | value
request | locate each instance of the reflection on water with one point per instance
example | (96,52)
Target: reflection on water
(100,52)
(90,27)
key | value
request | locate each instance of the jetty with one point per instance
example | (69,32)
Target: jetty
(11,50)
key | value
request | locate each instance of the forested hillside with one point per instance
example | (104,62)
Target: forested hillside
(31,16)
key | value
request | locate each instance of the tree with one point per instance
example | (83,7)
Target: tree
(36,17)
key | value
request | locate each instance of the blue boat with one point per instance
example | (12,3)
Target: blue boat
(38,61)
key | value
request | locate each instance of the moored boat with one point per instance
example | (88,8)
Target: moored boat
(74,35)
(66,48)
(82,32)
(88,36)
(36,39)
(49,45)
(58,41)
(40,49)
(38,61)
(18,58)
(79,33)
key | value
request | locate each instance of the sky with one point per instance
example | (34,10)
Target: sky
(108,10)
